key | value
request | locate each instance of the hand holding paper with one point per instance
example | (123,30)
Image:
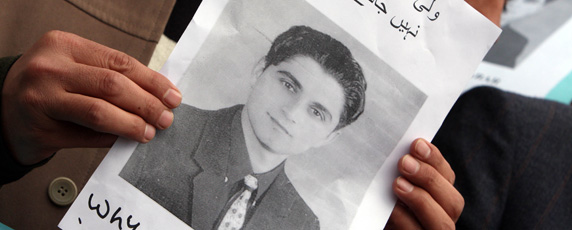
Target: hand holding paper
(415,66)
(432,202)
(427,198)
(67,92)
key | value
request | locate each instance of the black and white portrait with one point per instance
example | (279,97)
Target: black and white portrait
(285,120)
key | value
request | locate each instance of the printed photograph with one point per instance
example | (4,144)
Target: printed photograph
(285,120)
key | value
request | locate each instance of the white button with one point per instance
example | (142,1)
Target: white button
(62,191)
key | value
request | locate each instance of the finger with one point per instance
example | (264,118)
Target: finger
(425,208)
(93,54)
(120,91)
(81,137)
(71,135)
(402,218)
(151,81)
(428,153)
(425,176)
(101,116)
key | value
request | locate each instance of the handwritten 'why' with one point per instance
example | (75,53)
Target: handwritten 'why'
(102,213)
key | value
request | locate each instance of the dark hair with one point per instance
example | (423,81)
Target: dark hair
(333,56)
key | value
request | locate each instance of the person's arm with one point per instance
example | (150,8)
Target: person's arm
(67,92)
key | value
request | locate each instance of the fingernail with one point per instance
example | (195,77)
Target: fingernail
(165,119)
(149,132)
(410,165)
(172,98)
(422,149)
(404,185)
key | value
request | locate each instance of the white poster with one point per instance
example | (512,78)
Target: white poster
(294,115)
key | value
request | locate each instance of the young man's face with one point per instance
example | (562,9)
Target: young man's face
(294,106)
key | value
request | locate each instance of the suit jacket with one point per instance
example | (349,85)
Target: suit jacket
(184,169)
